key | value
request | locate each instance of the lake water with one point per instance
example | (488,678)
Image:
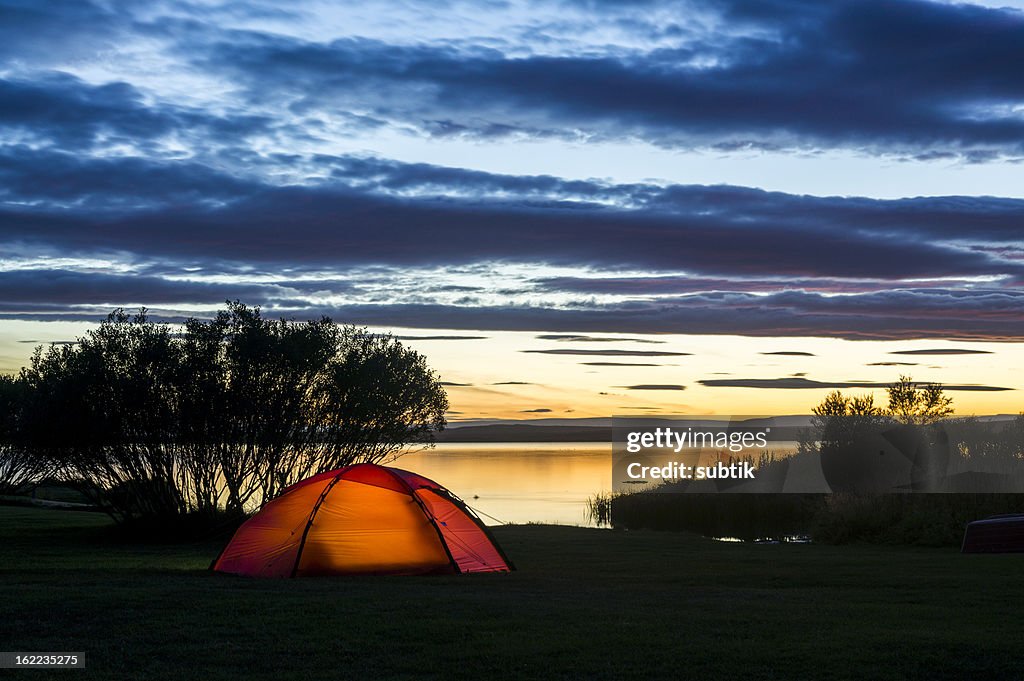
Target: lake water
(533,482)
(520,482)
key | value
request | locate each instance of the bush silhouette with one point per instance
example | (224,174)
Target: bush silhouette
(20,468)
(223,415)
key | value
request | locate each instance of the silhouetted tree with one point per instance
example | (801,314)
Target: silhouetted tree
(909,404)
(919,405)
(225,414)
(104,411)
(840,419)
(279,401)
(847,430)
(377,397)
(19,465)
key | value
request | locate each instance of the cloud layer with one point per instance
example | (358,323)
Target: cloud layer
(173,156)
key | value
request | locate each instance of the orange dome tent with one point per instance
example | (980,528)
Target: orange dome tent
(359,520)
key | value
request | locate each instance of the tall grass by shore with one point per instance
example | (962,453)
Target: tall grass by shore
(968,455)
(913,519)
(742,516)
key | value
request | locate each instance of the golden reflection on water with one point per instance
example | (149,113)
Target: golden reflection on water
(520,482)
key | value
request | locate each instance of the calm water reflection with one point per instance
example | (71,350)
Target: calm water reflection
(545,482)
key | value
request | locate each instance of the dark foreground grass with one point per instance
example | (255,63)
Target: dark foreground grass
(584,604)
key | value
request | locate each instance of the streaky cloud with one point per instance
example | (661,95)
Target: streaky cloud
(620,364)
(610,353)
(573,338)
(942,351)
(892,364)
(808,384)
(654,386)
(439,338)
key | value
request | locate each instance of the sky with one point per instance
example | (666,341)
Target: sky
(573,208)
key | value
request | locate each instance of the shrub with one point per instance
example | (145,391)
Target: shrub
(224,415)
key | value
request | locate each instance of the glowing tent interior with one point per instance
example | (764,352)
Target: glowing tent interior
(362,519)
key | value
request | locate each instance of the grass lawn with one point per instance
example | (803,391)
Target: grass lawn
(584,604)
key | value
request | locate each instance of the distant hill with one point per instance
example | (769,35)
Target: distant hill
(525,433)
(600,429)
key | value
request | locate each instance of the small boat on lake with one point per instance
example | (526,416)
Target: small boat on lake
(997,534)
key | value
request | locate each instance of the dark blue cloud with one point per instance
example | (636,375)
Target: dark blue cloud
(59,108)
(767,316)
(40,287)
(924,79)
(759,261)
(87,185)
(107,164)
(53,108)
(749,236)
(57,30)
(906,76)
(773,315)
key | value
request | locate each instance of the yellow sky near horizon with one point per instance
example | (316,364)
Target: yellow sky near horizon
(496,378)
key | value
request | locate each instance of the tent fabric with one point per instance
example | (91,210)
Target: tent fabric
(362,519)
